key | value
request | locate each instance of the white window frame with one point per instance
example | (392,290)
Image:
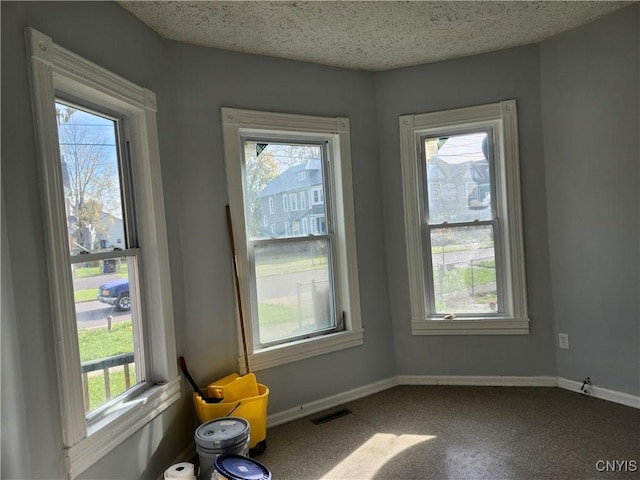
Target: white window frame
(293,201)
(502,116)
(336,131)
(285,202)
(303,200)
(271,206)
(57,71)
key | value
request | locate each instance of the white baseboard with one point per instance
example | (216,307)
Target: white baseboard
(602,393)
(329,402)
(461,380)
(483,381)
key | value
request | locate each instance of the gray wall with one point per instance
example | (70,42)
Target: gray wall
(13,389)
(205,80)
(29,375)
(192,84)
(464,82)
(590,117)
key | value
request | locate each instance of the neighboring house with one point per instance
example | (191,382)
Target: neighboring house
(293,202)
(109,232)
(459,178)
(459,187)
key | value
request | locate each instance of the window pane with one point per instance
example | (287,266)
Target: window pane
(90,175)
(106,330)
(458,178)
(286,173)
(294,291)
(464,270)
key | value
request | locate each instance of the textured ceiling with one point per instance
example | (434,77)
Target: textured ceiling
(366,35)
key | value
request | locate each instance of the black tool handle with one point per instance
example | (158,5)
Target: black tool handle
(183,366)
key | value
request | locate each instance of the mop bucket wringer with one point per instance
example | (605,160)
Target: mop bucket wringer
(242,396)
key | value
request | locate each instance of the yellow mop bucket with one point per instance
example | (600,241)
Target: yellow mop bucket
(242,396)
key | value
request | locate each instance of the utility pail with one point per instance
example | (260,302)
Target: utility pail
(223,436)
(237,467)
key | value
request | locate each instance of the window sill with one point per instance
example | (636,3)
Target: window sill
(109,432)
(301,349)
(471,326)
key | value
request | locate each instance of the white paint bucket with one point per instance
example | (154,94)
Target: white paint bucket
(228,435)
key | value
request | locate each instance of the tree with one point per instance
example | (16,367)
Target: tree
(290,155)
(90,174)
(260,169)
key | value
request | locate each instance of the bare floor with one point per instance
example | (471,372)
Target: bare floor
(442,432)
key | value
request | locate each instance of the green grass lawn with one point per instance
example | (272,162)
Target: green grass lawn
(276,267)
(98,343)
(458,279)
(463,280)
(85,295)
(97,393)
(274,313)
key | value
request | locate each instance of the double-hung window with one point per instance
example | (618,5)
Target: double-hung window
(299,288)
(106,250)
(463,221)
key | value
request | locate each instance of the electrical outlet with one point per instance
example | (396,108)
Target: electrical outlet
(563,340)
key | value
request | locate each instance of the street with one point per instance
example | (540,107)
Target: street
(461,256)
(94,314)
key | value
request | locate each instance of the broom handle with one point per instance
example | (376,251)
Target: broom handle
(237,282)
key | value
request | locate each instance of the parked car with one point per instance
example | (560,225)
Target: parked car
(116,293)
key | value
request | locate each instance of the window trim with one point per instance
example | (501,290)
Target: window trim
(55,70)
(336,130)
(412,127)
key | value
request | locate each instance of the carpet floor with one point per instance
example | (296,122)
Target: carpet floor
(446,432)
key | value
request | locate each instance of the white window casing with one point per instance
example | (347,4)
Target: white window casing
(502,117)
(335,130)
(55,70)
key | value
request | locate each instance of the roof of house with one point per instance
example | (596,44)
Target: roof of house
(288,180)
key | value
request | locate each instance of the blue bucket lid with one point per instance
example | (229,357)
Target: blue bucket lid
(237,467)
